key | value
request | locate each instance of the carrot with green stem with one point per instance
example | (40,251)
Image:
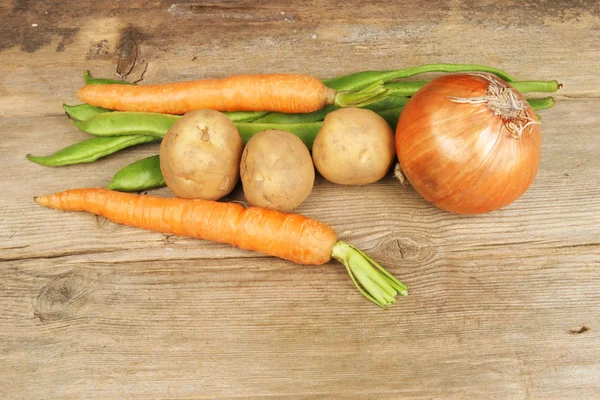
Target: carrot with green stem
(289,236)
(289,93)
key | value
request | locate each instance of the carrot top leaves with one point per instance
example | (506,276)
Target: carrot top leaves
(370,278)
(371,94)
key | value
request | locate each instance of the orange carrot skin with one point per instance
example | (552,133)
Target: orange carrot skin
(287,93)
(289,236)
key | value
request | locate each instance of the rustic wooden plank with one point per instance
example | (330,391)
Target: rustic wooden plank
(501,305)
(225,327)
(531,42)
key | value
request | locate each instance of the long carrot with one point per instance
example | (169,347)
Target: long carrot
(288,93)
(289,236)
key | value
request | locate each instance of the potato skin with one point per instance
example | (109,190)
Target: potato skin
(354,147)
(276,170)
(200,155)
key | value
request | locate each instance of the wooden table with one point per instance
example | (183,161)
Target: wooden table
(503,305)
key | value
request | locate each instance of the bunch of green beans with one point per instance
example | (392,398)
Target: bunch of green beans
(115,130)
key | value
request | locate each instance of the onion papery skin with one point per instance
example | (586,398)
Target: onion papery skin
(461,157)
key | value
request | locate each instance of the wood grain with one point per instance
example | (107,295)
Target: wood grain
(502,305)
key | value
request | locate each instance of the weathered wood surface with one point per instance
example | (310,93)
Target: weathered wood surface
(502,306)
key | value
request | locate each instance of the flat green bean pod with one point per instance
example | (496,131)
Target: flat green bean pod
(127,123)
(307,131)
(541,104)
(81,112)
(282,118)
(141,175)
(90,150)
(245,116)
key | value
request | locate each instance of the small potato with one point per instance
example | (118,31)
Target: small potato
(277,171)
(200,155)
(354,147)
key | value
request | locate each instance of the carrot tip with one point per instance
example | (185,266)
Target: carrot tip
(41,200)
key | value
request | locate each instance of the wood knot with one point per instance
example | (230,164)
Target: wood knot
(130,62)
(63,297)
(105,224)
(578,329)
(410,248)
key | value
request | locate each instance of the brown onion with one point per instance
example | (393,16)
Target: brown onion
(469,143)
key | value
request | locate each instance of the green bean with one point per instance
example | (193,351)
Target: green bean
(84,111)
(316,116)
(541,104)
(90,150)
(102,81)
(282,118)
(409,88)
(128,123)
(391,116)
(245,116)
(404,88)
(361,79)
(140,175)
(386,104)
(307,131)
(536,86)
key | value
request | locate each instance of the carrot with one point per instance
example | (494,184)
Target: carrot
(286,93)
(289,236)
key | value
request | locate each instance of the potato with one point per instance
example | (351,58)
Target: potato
(354,147)
(277,171)
(200,155)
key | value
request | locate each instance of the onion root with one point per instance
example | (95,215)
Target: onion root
(502,100)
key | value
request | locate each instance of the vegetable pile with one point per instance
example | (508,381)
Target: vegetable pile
(467,141)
